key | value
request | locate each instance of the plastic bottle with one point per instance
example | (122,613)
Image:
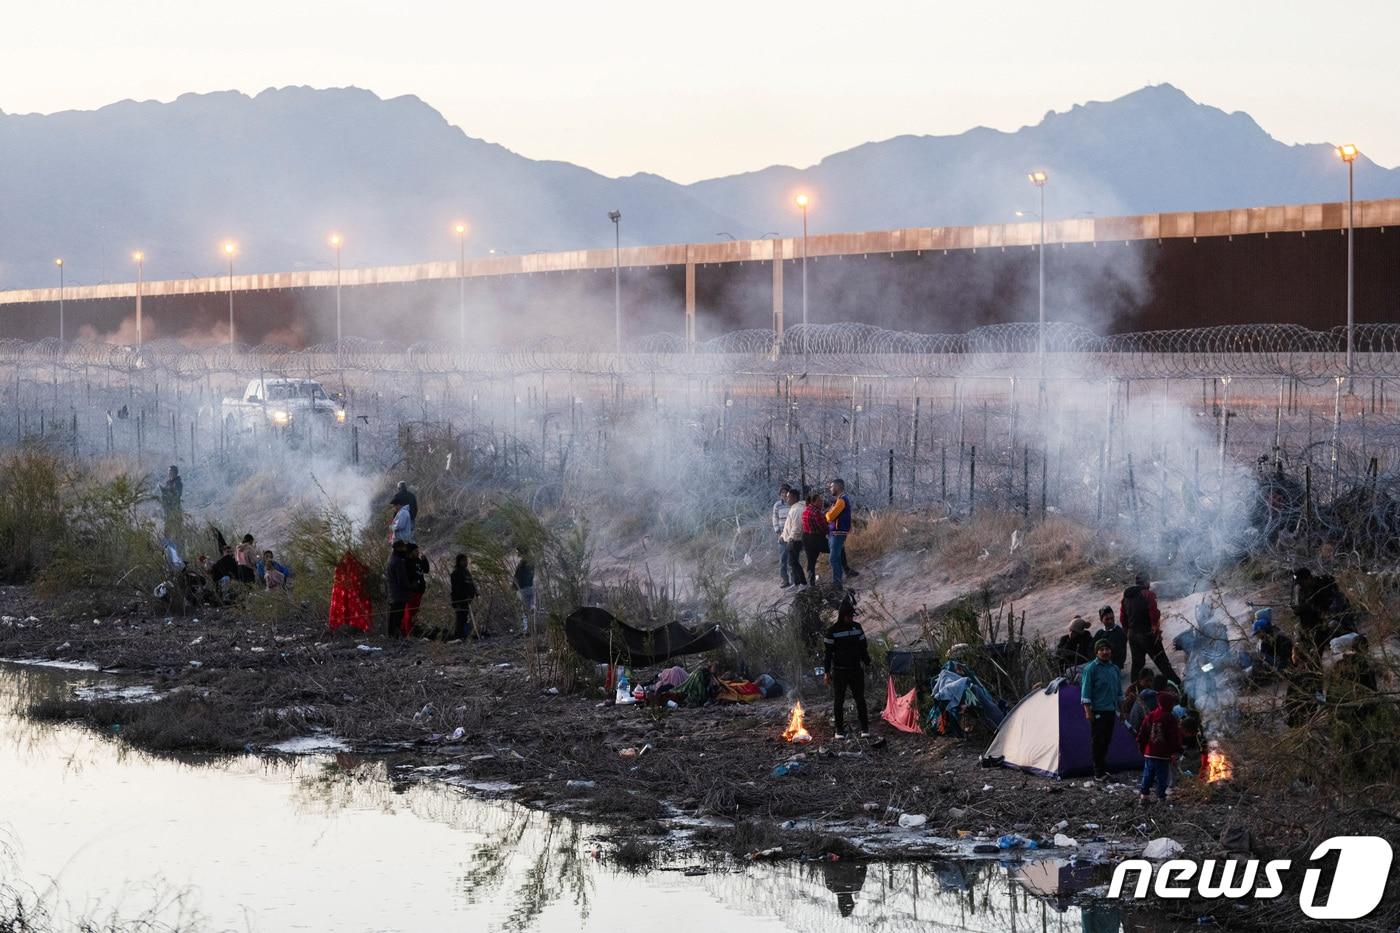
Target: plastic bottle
(624,689)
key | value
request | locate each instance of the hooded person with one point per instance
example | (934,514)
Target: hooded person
(1160,740)
(1275,647)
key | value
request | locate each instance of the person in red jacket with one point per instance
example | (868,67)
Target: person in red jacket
(1159,738)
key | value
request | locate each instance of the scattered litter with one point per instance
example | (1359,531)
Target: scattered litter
(986,787)
(672,704)
(1065,842)
(1162,848)
(198,641)
(487,757)
(368,648)
(1091,825)
(786,768)
(65,646)
(766,853)
(1016,841)
(956,813)
(871,807)
(579,785)
(458,734)
(492,787)
(504,666)
(627,753)
(553,691)
(911,820)
(1060,826)
(257,650)
(198,663)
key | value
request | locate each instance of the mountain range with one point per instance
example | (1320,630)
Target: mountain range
(278,171)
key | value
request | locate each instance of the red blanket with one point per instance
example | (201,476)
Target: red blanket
(349,597)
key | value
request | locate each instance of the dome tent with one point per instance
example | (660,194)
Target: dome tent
(1046,733)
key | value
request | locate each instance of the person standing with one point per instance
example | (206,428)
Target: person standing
(1113,633)
(847,657)
(463,592)
(401,524)
(172,491)
(396,586)
(524,582)
(416,571)
(402,497)
(780,516)
(791,539)
(1100,690)
(814,534)
(839,519)
(1143,620)
(1160,740)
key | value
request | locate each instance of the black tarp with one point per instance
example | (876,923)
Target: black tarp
(600,636)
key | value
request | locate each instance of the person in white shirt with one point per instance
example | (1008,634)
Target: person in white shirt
(791,537)
(780,516)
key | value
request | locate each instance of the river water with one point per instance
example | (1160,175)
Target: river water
(91,829)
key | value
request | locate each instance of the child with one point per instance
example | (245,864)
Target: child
(1160,740)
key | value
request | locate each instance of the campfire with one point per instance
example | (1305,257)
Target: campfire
(796,731)
(1217,765)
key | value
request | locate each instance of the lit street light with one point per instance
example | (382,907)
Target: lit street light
(1038,178)
(1348,153)
(616,218)
(802,201)
(336,242)
(59,263)
(230,248)
(140,259)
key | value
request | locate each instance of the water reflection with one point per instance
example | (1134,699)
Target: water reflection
(336,841)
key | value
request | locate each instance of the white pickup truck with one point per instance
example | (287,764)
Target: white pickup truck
(279,402)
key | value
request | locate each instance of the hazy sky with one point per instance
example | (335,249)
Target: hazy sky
(701,89)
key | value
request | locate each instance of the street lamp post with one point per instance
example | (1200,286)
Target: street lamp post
(59,263)
(140,259)
(461,230)
(1038,178)
(336,241)
(230,248)
(616,218)
(1348,153)
(802,201)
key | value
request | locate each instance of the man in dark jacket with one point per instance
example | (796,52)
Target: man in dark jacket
(1140,616)
(1077,647)
(524,583)
(402,496)
(463,592)
(847,657)
(396,578)
(1111,632)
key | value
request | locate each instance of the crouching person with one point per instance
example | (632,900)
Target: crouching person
(847,657)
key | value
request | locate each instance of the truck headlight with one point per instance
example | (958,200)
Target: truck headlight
(281,417)
(340,416)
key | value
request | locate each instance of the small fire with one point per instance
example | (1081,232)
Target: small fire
(795,731)
(1218,766)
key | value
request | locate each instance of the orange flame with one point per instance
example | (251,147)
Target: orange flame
(1218,766)
(795,731)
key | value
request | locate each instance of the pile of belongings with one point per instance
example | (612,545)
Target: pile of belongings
(675,684)
(957,692)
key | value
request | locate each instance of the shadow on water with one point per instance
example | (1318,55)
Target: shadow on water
(352,844)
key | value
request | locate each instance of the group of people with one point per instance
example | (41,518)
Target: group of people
(807,526)
(406,577)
